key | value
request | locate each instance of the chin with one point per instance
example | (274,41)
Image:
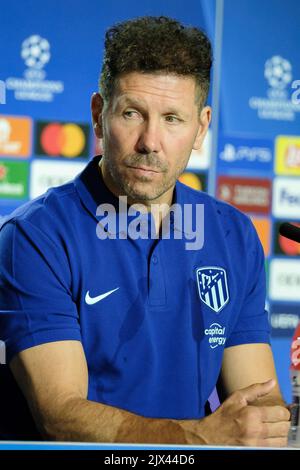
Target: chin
(141,195)
(144,190)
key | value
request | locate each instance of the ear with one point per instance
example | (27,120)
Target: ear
(97,108)
(204,121)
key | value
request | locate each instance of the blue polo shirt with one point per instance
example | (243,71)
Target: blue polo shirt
(152,316)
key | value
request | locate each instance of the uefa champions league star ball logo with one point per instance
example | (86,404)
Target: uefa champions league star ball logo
(35,52)
(280,102)
(278,72)
(32,86)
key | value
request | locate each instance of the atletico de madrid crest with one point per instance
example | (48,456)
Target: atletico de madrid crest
(212,287)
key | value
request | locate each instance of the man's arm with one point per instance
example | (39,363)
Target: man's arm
(54,379)
(247,364)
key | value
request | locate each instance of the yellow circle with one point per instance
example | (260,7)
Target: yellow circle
(73,140)
(192,180)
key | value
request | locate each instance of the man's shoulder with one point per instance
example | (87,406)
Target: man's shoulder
(47,206)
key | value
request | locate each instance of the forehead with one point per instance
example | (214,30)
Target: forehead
(169,88)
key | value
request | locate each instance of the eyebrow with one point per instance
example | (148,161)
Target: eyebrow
(127,100)
(132,101)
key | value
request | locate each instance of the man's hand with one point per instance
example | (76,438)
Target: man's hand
(238,422)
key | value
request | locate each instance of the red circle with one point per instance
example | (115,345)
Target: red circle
(52,139)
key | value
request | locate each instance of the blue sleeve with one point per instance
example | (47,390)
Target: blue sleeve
(36,304)
(252,324)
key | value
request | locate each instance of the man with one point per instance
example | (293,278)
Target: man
(119,338)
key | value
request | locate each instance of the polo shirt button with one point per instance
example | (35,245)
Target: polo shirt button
(154,259)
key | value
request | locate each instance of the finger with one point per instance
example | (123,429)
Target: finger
(274,430)
(273,414)
(251,393)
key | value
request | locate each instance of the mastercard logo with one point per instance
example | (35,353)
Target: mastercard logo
(193,180)
(68,140)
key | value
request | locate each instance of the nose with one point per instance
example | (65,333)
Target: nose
(149,139)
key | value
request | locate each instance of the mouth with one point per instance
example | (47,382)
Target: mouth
(141,170)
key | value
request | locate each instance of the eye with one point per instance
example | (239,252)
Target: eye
(171,118)
(131,114)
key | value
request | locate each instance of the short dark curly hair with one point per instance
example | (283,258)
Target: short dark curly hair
(151,44)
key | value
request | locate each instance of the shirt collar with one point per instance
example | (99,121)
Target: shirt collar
(93,192)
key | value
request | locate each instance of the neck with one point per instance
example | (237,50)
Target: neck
(158,207)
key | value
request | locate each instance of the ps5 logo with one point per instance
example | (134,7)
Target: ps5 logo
(247,153)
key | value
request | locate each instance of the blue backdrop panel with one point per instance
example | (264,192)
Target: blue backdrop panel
(258,139)
(253,33)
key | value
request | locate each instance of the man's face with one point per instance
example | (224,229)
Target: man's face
(149,129)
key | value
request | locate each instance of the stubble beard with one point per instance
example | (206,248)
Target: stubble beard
(141,189)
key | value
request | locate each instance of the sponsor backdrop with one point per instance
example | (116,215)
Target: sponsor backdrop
(258,145)
(251,156)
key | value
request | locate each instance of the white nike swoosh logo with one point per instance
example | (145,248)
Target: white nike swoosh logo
(93,300)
